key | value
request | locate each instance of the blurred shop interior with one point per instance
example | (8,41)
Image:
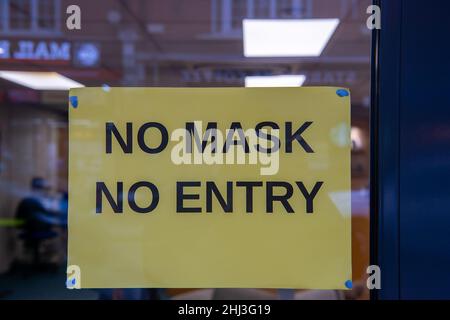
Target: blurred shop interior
(172,43)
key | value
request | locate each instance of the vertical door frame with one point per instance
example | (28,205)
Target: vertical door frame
(385,145)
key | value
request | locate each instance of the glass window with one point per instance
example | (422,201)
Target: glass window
(149,44)
(29,16)
(239,12)
(20,14)
(46,14)
(262,9)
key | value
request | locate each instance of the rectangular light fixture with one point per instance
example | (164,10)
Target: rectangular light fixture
(275,81)
(40,80)
(287,38)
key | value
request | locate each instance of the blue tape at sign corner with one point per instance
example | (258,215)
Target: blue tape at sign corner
(73,101)
(71,283)
(348,284)
(342,93)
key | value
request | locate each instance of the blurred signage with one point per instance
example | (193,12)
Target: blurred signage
(35,50)
(237,76)
(220,75)
(244,187)
(85,54)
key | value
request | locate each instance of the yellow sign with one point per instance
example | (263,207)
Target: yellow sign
(209,188)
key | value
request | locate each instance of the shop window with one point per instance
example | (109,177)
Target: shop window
(227,15)
(29,16)
(46,14)
(19,14)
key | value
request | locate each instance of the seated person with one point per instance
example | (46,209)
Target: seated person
(36,221)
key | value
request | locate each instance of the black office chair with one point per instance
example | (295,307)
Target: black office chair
(33,231)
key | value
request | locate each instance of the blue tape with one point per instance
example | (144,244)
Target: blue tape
(70,283)
(349,284)
(342,93)
(73,101)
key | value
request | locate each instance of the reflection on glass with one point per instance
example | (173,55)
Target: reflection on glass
(153,43)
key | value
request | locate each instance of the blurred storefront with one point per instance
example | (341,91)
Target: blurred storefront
(173,43)
(37,55)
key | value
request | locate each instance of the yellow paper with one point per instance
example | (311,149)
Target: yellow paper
(165,248)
